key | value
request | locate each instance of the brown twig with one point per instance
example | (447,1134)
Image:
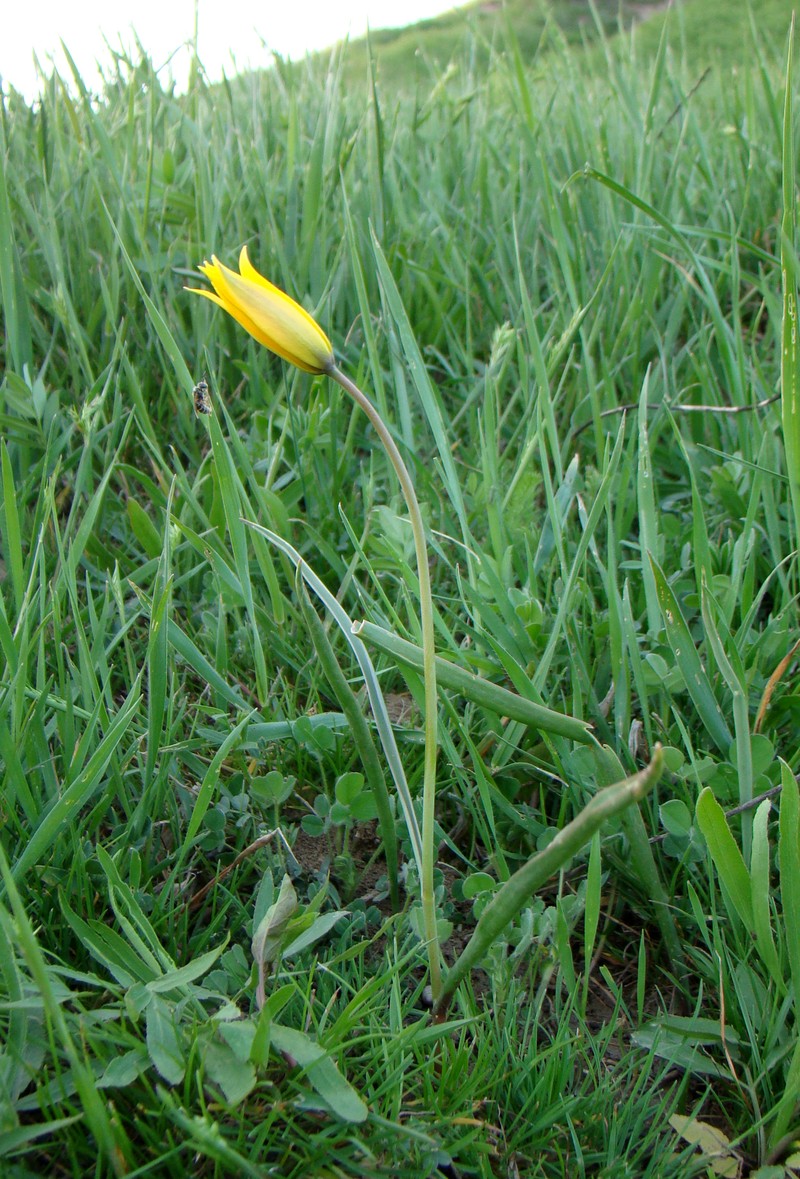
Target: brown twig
(200,896)
(736,810)
(654,405)
(679,106)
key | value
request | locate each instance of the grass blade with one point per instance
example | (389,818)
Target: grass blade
(688,661)
(508,901)
(790,344)
(726,856)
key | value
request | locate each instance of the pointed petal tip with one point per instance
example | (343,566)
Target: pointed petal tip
(271,316)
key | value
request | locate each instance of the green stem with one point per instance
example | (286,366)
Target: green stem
(510,899)
(428,672)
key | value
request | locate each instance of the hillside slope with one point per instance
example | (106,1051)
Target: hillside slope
(704,31)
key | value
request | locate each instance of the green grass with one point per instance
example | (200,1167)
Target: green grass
(729,35)
(415,56)
(536,264)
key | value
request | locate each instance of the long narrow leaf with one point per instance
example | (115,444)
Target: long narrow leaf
(360,730)
(78,793)
(760,894)
(790,343)
(726,855)
(377,702)
(480,691)
(514,894)
(688,662)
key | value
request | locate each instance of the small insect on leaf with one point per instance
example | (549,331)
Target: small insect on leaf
(202,401)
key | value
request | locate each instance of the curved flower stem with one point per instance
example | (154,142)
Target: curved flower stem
(428,670)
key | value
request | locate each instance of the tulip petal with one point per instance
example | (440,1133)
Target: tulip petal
(247,323)
(268,314)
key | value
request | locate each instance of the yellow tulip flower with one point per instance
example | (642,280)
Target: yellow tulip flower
(269,315)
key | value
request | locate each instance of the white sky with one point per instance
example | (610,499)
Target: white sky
(244,32)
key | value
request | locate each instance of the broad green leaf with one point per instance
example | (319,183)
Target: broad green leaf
(317,930)
(348,787)
(239,1035)
(124,1070)
(680,1052)
(163,1042)
(178,979)
(259,1049)
(476,883)
(676,818)
(144,529)
(321,1071)
(235,1077)
(726,855)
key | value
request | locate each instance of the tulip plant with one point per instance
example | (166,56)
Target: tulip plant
(286,328)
